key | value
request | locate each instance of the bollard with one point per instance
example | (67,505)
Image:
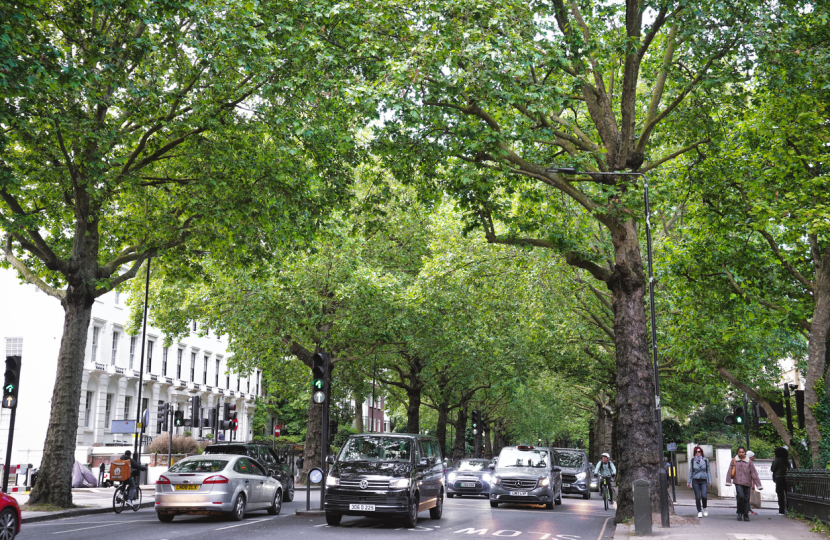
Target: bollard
(642,507)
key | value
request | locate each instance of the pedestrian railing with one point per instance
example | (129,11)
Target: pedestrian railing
(808,493)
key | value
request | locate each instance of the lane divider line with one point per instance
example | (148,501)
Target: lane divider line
(241,524)
(603,529)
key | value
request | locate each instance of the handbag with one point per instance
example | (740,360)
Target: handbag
(755,498)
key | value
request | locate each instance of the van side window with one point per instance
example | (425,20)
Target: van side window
(431,449)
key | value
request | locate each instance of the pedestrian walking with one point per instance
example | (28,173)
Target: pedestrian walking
(743,474)
(700,479)
(779,475)
(221,436)
(754,496)
(300,463)
(101,471)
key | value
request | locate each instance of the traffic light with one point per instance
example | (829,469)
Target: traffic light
(738,417)
(162,416)
(799,408)
(227,423)
(11,382)
(476,422)
(332,427)
(178,418)
(211,419)
(319,370)
(195,411)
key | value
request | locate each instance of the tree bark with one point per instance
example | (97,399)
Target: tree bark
(488,446)
(54,483)
(817,350)
(459,446)
(600,433)
(441,428)
(413,409)
(639,449)
(358,414)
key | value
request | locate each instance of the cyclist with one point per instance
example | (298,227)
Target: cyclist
(605,469)
(135,468)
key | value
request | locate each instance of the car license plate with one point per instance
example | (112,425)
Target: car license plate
(519,494)
(566,485)
(468,484)
(179,487)
(362,507)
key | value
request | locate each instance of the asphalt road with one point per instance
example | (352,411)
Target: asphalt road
(575,519)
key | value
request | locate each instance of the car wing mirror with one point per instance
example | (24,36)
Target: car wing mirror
(423,463)
(330,460)
(557,468)
(491,466)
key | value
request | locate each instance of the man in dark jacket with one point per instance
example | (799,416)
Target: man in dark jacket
(135,471)
(779,475)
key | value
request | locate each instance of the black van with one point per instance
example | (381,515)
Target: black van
(386,475)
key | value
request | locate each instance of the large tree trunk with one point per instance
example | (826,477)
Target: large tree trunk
(413,408)
(488,447)
(441,429)
(313,449)
(639,449)
(600,436)
(54,482)
(358,414)
(817,351)
(459,446)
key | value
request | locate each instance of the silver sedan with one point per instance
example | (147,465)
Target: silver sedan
(216,484)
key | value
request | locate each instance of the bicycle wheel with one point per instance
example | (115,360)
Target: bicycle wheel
(605,495)
(137,499)
(118,499)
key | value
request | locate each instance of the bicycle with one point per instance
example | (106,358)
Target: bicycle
(605,490)
(119,498)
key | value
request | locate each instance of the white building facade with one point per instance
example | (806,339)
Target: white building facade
(31,323)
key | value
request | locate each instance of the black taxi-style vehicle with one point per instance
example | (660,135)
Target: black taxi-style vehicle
(386,475)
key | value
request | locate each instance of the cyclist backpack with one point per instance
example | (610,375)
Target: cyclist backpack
(120,470)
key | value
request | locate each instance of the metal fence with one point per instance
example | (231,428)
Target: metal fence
(808,493)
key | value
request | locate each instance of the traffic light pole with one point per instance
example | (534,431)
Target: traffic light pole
(137,450)
(170,437)
(9,450)
(746,424)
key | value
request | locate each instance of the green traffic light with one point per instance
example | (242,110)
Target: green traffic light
(739,420)
(10,388)
(317,383)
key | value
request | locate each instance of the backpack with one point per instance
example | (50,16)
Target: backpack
(120,470)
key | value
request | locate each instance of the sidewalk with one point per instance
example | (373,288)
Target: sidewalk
(721,524)
(91,501)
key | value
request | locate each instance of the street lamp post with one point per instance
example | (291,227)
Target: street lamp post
(662,472)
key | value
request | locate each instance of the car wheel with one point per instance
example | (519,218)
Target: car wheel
(333,520)
(450,495)
(275,508)
(238,511)
(289,496)
(411,519)
(8,524)
(587,495)
(166,518)
(494,504)
(436,511)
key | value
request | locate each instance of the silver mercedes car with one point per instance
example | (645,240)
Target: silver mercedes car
(217,484)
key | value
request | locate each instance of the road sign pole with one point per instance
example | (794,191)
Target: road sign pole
(7,465)
(170,437)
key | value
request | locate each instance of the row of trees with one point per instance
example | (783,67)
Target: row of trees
(371,180)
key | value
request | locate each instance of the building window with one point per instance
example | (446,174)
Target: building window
(258,376)
(127,402)
(95,331)
(238,378)
(150,345)
(145,402)
(227,381)
(218,363)
(116,336)
(179,364)
(117,297)
(164,361)
(132,351)
(108,411)
(193,367)
(204,375)
(248,384)
(194,326)
(14,346)
(88,408)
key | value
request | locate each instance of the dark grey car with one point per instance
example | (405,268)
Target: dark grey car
(526,475)
(576,475)
(469,477)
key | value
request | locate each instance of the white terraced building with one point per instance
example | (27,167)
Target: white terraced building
(31,324)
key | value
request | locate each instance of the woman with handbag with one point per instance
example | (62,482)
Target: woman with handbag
(699,479)
(744,475)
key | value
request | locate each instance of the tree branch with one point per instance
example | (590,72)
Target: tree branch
(790,268)
(30,276)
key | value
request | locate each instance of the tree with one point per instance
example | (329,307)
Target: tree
(133,130)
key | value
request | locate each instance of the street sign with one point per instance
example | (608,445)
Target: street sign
(277,430)
(122,426)
(319,396)
(671,447)
(9,402)
(316,475)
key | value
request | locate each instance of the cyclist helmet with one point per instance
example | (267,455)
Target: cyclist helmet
(606,454)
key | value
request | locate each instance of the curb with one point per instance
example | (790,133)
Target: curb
(77,512)
(312,512)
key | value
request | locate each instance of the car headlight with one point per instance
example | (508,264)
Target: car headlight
(496,480)
(486,477)
(451,477)
(332,481)
(544,482)
(399,483)
(581,475)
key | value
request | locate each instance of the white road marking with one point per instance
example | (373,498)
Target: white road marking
(241,524)
(108,524)
(544,535)
(603,529)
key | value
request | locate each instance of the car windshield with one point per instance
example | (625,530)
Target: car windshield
(513,457)
(472,465)
(199,465)
(376,449)
(222,449)
(569,459)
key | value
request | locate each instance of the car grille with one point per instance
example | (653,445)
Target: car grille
(518,484)
(569,478)
(354,483)
(356,497)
